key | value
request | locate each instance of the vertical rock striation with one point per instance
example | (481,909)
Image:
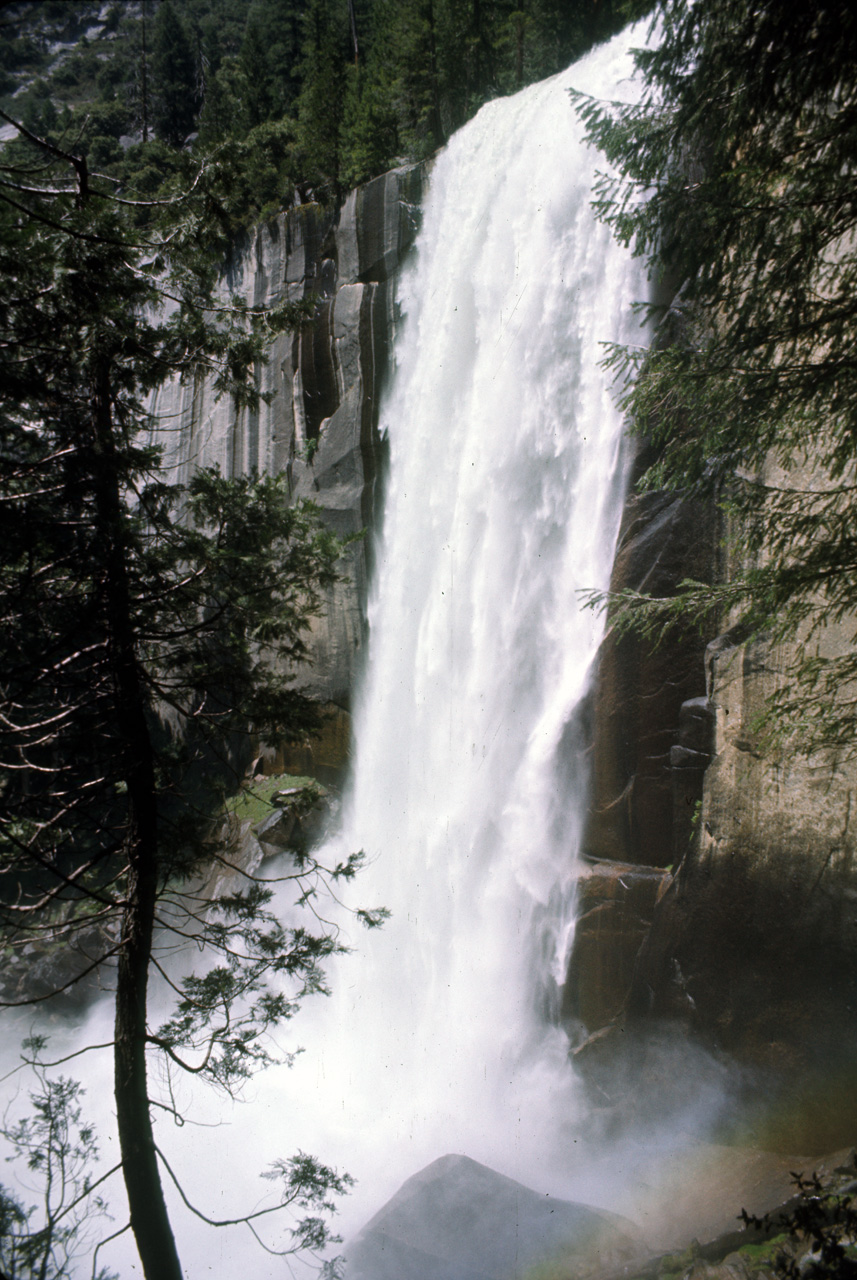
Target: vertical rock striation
(320,422)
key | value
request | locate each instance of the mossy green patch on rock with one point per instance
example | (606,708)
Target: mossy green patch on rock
(763,1254)
(254,802)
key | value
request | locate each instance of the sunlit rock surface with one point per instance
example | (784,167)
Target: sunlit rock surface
(459,1220)
(320,425)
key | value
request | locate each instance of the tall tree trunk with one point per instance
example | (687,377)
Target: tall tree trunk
(149,1219)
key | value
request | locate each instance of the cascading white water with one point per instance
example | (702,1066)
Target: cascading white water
(504,496)
(506,480)
(505,491)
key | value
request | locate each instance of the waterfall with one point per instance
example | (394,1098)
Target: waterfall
(507,474)
(506,478)
(505,489)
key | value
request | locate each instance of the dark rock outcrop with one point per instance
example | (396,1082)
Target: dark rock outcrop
(72,965)
(615,907)
(640,691)
(652,732)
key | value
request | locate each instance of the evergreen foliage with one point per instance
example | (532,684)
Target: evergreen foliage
(737,182)
(322,96)
(819,1227)
(357,85)
(45,1241)
(174,73)
(149,631)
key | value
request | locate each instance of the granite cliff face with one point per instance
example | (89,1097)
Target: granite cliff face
(320,426)
(717,899)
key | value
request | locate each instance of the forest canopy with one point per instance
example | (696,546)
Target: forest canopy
(304,97)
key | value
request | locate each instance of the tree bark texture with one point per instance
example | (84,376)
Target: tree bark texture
(149,1219)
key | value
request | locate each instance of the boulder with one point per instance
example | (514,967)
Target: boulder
(459,1220)
(300,819)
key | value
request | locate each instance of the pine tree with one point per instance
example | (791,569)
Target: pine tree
(259,91)
(320,105)
(146,631)
(174,77)
(271,54)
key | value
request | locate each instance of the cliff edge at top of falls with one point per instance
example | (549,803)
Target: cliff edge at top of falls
(320,422)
